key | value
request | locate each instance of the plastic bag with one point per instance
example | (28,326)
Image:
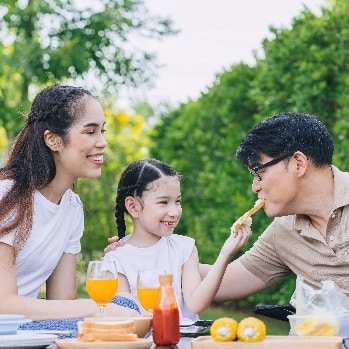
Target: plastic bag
(326,300)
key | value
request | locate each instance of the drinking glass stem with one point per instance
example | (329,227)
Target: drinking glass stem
(101,310)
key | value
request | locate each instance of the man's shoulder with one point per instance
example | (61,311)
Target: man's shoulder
(341,187)
(282,225)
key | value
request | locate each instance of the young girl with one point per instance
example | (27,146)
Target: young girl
(149,192)
(41,218)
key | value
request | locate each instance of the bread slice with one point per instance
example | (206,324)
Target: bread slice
(246,218)
(89,331)
(106,337)
(115,327)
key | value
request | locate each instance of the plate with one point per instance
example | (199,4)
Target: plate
(11,317)
(75,344)
(186,322)
(26,340)
(10,327)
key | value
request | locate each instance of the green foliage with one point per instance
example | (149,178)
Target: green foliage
(127,141)
(199,140)
(50,41)
(304,69)
(3,140)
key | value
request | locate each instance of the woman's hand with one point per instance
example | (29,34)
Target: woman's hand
(113,244)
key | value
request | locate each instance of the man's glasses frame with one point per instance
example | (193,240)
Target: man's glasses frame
(255,170)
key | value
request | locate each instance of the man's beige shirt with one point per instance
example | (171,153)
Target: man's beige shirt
(292,245)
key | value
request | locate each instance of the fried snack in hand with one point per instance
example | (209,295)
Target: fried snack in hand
(246,218)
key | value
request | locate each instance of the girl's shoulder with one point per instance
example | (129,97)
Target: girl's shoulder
(181,240)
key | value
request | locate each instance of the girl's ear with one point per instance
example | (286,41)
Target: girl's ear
(53,141)
(133,206)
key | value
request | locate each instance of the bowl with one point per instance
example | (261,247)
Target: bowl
(9,317)
(9,323)
(344,325)
(314,325)
(142,323)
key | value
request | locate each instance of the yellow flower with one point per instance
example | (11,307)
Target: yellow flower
(3,139)
(122,118)
(108,114)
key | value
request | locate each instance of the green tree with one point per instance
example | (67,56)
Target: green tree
(52,41)
(199,140)
(127,139)
(304,69)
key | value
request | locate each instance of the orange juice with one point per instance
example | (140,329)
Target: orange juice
(102,291)
(147,297)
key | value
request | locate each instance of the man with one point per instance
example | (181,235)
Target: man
(290,157)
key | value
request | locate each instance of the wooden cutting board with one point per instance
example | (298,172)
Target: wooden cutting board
(272,342)
(72,343)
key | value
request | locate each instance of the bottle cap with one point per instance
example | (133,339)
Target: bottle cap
(166,279)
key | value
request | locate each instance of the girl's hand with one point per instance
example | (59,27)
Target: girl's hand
(237,240)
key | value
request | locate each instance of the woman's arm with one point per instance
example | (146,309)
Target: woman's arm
(40,309)
(62,282)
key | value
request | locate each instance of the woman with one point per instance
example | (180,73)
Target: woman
(41,218)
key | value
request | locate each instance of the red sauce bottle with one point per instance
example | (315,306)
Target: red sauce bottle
(166,314)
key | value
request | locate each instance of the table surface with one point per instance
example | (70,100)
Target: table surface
(184,343)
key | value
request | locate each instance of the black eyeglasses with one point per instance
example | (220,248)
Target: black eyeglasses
(255,170)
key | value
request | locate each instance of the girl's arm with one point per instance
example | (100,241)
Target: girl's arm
(198,294)
(41,309)
(237,282)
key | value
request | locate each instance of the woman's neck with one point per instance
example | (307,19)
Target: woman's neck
(53,192)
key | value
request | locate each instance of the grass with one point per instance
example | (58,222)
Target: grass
(274,327)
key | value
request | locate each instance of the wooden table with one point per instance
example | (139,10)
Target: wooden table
(185,343)
(270,342)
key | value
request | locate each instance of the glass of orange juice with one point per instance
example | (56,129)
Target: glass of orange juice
(148,287)
(101,283)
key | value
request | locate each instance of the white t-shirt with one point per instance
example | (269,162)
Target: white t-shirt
(168,254)
(57,229)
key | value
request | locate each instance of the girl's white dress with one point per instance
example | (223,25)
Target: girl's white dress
(168,254)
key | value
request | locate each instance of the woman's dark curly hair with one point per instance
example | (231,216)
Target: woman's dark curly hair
(134,181)
(31,163)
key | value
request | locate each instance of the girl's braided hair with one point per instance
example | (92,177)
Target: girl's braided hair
(134,181)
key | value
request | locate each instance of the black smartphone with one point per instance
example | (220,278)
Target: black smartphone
(199,328)
(279,312)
